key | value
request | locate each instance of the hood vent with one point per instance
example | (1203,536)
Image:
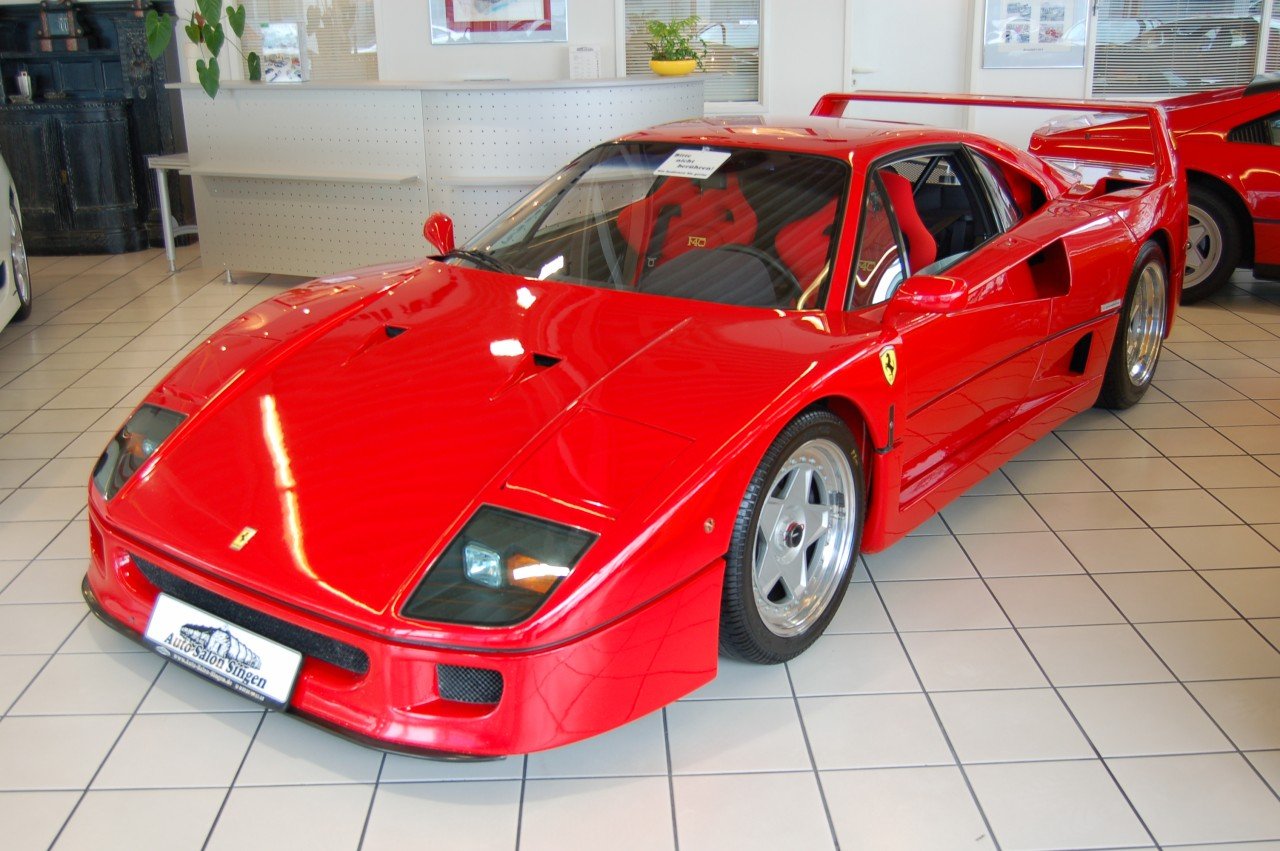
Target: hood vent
(545,361)
(394,331)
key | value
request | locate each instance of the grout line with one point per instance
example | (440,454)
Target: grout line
(671,781)
(373,798)
(213,825)
(813,762)
(937,718)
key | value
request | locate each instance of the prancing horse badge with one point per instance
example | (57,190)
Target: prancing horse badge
(889,363)
(247,533)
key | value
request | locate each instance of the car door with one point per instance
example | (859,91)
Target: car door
(966,359)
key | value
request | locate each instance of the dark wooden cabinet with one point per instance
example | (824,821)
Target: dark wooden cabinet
(99,113)
(73,165)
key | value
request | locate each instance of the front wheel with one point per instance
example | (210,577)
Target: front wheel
(794,541)
(1213,244)
(1140,333)
(18,265)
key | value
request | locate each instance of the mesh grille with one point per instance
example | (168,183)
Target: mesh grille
(305,641)
(468,685)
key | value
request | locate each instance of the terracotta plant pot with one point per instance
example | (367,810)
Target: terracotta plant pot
(673,67)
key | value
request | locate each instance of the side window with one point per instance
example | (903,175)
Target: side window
(1007,210)
(878,267)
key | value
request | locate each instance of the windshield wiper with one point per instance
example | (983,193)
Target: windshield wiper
(482,258)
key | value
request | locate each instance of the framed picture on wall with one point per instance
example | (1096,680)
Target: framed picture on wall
(1035,34)
(497,21)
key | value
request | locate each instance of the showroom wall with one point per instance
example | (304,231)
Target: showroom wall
(809,48)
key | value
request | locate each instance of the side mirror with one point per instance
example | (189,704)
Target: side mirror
(930,294)
(438,229)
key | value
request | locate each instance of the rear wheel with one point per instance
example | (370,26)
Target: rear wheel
(1213,244)
(794,542)
(18,265)
(1140,333)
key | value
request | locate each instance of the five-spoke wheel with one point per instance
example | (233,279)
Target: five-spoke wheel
(793,545)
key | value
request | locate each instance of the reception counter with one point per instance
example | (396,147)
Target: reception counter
(313,178)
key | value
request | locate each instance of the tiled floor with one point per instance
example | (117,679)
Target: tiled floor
(1080,654)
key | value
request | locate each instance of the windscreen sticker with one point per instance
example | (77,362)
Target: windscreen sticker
(698,165)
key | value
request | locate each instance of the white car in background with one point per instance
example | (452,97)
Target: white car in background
(15,276)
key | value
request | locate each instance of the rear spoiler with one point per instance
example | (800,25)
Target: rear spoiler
(833,106)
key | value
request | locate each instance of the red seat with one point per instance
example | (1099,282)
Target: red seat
(922,248)
(803,245)
(683,214)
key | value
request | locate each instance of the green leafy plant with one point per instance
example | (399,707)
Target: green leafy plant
(674,40)
(205,29)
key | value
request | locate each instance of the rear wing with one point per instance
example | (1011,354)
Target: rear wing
(833,106)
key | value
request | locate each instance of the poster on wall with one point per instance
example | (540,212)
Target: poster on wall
(1035,34)
(497,21)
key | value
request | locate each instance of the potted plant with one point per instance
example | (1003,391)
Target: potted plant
(206,30)
(672,51)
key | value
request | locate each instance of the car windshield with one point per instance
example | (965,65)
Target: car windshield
(732,226)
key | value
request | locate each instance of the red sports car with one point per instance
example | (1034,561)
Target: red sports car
(1229,145)
(524,491)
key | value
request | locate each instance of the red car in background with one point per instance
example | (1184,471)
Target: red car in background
(1228,143)
(523,491)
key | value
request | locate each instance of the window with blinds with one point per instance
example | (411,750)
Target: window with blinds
(339,36)
(1273,39)
(729,28)
(1156,48)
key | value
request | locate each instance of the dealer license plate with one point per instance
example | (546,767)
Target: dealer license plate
(243,661)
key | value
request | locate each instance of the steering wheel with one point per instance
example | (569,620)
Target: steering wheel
(774,264)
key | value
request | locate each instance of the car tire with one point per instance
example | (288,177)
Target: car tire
(1214,243)
(1140,332)
(784,580)
(18,265)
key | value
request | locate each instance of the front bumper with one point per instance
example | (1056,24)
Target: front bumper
(549,696)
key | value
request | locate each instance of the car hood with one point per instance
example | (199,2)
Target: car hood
(356,453)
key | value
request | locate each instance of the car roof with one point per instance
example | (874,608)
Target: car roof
(833,137)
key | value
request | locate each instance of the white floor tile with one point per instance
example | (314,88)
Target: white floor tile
(80,684)
(977,659)
(1206,798)
(932,557)
(1009,726)
(853,664)
(951,604)
(168,751)
(1054,601)
(633,750)
(289,751)
(904,808)
(1121,550)
(579,815)
(1212,650)
(1247,710)
(475,816)
(873,731)
(1019,554)
(32,819)
(725,736)
(1142,720)
(728,811)
(151,818)
(312,817)
(1039,805)
(56,752)
(1178,595)
(1095,655)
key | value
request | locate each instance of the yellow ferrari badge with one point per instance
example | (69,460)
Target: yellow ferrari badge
(245,536)
(889,363)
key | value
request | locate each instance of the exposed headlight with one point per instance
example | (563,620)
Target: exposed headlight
(498,570)
(136,441)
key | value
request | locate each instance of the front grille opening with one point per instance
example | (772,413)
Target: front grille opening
(308,643)
(468,685)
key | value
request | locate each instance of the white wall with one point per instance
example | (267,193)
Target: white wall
(405,51)
(810,48)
